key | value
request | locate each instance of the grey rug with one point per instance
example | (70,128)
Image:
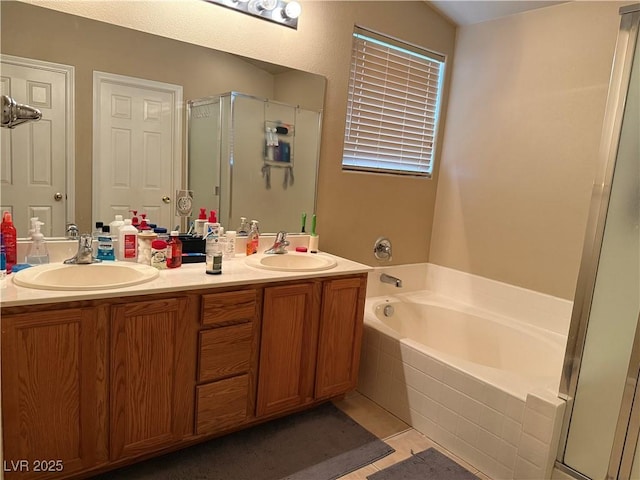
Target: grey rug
(320,444)
(427,465)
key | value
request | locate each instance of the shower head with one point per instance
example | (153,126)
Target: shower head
(13,114)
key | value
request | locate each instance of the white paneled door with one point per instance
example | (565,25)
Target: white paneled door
(136,148)
(36,170)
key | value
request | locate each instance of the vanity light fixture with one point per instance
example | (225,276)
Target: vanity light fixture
(284,12)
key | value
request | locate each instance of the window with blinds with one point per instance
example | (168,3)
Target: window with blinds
(393,105)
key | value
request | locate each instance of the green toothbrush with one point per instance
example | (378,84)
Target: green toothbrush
(313,225)
(304,222)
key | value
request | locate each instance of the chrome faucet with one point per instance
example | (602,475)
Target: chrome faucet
(279,246)
(384,278)
(71,231)
(84,255)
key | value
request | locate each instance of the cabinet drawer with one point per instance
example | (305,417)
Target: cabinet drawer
(221,404)
(225,351)
(229,307)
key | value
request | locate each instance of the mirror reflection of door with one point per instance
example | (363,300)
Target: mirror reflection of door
(37,158)
(136,148)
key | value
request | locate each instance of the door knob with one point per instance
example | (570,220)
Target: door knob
(57,197)
(166,199)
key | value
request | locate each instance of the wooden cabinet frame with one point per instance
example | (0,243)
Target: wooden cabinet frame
(111,381)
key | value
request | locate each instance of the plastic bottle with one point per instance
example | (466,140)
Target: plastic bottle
(115,234)
(253,239)
(38,253)
(143,225)
(213,252)
(3,259)
(105,244)
(199,223)
(243,229)
(128,242)
(8,231)
(174,250)
(230,244)
(212,227)
(134,218)
(97,231)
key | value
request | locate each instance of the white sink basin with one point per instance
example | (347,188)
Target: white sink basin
(291,262)
(96,276)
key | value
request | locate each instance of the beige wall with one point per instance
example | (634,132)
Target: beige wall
(524,123)
(353,209)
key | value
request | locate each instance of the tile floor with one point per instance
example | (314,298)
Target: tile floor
(394,432)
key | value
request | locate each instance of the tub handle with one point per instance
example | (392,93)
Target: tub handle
(382,249)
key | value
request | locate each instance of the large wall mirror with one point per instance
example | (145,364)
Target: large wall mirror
(96,51)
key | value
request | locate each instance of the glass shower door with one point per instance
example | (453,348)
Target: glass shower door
(603,392)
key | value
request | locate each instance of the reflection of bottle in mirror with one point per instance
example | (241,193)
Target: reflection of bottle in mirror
(230,245)
(243,229)
(253,239)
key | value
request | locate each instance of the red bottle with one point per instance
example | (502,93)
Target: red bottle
(9,236)
(174,251)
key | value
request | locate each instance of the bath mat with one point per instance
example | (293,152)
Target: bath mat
(320,444)
(427,465)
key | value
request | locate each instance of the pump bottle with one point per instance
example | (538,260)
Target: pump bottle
(253,239)
(38,253)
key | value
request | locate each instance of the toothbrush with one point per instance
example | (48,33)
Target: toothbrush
(304,222)
(313,225)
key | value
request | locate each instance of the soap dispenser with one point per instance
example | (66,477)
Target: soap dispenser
(38,253)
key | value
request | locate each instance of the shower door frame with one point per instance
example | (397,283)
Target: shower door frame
(612,127)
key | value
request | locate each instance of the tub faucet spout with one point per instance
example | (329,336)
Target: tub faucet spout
(384,278)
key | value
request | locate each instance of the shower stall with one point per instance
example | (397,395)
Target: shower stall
(602,361)
(253,157)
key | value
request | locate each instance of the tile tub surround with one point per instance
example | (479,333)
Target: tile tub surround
(504,435)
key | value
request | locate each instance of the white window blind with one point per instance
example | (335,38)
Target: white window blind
(393,106)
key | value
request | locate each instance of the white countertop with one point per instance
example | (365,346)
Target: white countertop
(188,277)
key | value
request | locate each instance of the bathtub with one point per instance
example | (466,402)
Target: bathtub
(513,356)
(482,384)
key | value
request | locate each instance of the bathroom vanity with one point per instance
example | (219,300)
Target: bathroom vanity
(96,380)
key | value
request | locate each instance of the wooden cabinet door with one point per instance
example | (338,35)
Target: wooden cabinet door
(288,347)
(340,336)
(54,391)
(153,355)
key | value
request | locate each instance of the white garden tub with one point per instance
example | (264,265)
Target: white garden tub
(480,383)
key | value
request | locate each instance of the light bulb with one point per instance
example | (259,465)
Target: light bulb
(267,4)
(292,10)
